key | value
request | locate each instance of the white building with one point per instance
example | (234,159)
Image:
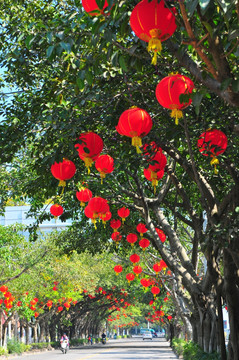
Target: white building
(18,214)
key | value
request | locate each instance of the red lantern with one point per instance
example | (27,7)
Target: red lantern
(118,269)
(67,305)
(89,148)
(56,210)
(163,264)
(105,217)
(212,143)
(130,277)
(91,7)
(159,161)
(154,177)
(134,258)
(145,282)
(123,213)
(137,269)
(144,243)
(155,290)
(170,317)
(153,22)
(105,165)
(49,303)
(135,123)
(116,236)
(115,224)
(132,238)
(141,228)
(62,171)
(157,268)
(95,208)
(60,308)
(84,195)
(161,235)
(168,93)
(3,288)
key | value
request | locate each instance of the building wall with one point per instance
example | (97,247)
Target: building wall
(18,214)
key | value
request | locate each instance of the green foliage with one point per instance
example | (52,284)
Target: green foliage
(192,350)
(3,351)
(16,347)
(178,346)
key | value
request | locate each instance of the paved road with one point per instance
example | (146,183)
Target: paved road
(130,349)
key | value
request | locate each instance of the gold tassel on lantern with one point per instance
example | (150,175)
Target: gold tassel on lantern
(155,44)
(214,162)
(88,163)
(137,142)
(177,114)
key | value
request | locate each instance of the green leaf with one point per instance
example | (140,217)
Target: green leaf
(100,3)
(29,40)
(50,50)
(235,85)
(89,77)
(122,63)
(191,6)
(80,83)
(65,46)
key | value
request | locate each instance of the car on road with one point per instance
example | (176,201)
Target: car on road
(147,335)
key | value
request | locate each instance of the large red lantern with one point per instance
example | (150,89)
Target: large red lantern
(141,228)
(137,269)
(105,165)
(105,217)
(132,238)
(144,243)
(153,22)
(161,235)
(95,208)
(89,148)
(62,171)
(118,269)
(84,195)
(153,176)
(130,277)
(169,90)
(56,210)
(135,123)
(115,224)
(91,7)
(134,258)
(123,213)
(212,143)
(159,161)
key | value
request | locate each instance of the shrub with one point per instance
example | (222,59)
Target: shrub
(178,346)
(192,350)
(15,347)
(3,351)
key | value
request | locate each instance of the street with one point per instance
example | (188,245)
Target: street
(133,349)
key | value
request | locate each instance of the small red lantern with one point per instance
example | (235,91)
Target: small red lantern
(116,236)
(67,305)
(163,264)
(115,224)
(157,267)
(62,171)
(161,235)
(60,308)
(141,228)
(144,243)
(56,210)
(170,317)
(212,143)
(168,93)
(98,205)
(132,238)
(91,7)
(145,282)
(84,195)
(137,269)
(49,303)
(155,290)
(135,123)
(130,277)
(153,176)
(3,289)
(118,269)
(123,213)
(105,165)
(153,22)
(134,258)
(89,148)
(159,161)
(105,217)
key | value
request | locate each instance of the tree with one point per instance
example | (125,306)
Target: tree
(75,73)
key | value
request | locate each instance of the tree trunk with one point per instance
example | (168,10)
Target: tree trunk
(232,299)
(42,332)
(27,334)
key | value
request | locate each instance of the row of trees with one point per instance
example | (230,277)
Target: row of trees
(75,73)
